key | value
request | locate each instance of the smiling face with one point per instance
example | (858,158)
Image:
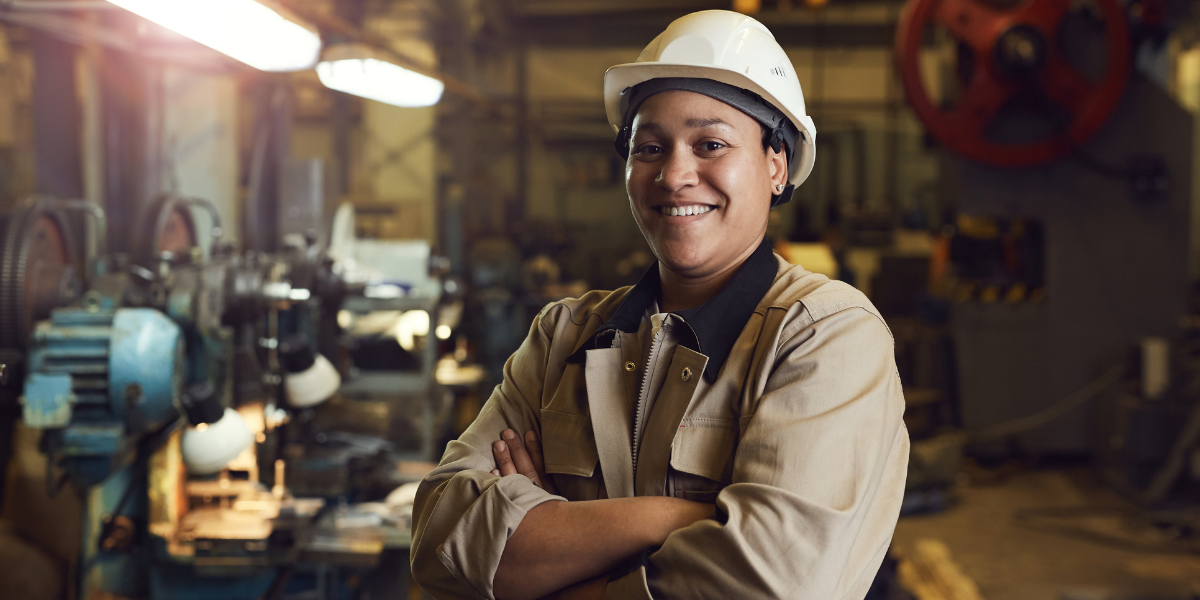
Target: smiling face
(700,182)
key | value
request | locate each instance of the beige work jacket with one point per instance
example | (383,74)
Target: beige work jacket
(782,405)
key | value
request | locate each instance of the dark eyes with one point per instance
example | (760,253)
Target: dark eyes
(655,149)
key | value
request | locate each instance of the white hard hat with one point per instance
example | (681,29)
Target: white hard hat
(729,48)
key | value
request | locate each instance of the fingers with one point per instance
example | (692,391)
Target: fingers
(520,456)
(513,456)
(504,463)
(534,446)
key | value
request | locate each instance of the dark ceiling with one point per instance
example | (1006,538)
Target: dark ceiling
(633,22)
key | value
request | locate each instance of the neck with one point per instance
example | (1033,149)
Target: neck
(681,292)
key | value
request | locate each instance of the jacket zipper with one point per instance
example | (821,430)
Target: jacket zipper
(639,410)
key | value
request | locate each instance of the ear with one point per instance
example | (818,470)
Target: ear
(779,167)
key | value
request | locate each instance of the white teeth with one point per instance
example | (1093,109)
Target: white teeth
(685,211)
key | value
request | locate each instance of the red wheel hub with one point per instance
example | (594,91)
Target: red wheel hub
(179,234)
(1014,51)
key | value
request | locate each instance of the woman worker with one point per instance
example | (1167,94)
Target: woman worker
(729,427)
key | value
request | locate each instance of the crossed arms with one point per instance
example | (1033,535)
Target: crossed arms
(560,544)
(817,481)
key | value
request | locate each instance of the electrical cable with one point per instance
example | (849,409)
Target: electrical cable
(1174,525)
(1054,411)
(145,447)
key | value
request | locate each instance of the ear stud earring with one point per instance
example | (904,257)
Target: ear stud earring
(779,188)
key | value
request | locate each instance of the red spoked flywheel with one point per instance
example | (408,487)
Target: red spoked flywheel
(1014,51)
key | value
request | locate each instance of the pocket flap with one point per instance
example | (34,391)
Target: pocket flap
(705,450)
(568,444)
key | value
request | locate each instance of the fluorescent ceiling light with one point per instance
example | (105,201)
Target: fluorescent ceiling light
(358,70)
(247,30)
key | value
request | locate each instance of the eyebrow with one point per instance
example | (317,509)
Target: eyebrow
(698,123)
(692,123)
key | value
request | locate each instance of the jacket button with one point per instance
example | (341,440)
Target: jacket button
(629,366)
(687,373)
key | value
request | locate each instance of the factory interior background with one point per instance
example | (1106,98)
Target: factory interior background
(350,261)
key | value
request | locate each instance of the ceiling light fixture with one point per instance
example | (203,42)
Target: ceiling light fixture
(362,71)
(258,33)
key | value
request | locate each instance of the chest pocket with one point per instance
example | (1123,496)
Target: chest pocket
(702,459)
(569,449)
(568,442)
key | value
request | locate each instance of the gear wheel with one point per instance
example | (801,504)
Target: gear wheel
(170,227)
(38,263)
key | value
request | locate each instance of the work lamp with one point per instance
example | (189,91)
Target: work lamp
(256,32)
(363,71)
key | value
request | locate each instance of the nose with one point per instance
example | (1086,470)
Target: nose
(678,170)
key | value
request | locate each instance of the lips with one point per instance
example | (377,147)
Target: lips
(684,211)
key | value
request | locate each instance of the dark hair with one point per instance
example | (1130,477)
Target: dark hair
(779,133)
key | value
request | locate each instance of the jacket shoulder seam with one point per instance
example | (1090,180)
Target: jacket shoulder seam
(564,305)
(793,329)
(581,310)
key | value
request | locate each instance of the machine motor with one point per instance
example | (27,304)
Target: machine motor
(98,380)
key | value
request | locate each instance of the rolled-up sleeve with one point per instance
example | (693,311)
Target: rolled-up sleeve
(463,514)
(818,476)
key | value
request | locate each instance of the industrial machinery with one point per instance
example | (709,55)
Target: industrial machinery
(1006,54)
(160,386)
(1071,173)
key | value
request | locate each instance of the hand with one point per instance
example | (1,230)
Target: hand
(525,457)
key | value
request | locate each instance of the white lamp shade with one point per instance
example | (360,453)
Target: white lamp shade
(379,80)
(246,30)
(313,385)
(208,448)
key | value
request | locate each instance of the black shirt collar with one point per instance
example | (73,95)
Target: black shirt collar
(716,324)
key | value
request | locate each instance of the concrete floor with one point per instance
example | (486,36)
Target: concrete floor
(1012,562)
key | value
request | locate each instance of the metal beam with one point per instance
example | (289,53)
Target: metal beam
(620,30)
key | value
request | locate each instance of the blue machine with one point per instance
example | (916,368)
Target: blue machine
(118,366)
(99,380)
